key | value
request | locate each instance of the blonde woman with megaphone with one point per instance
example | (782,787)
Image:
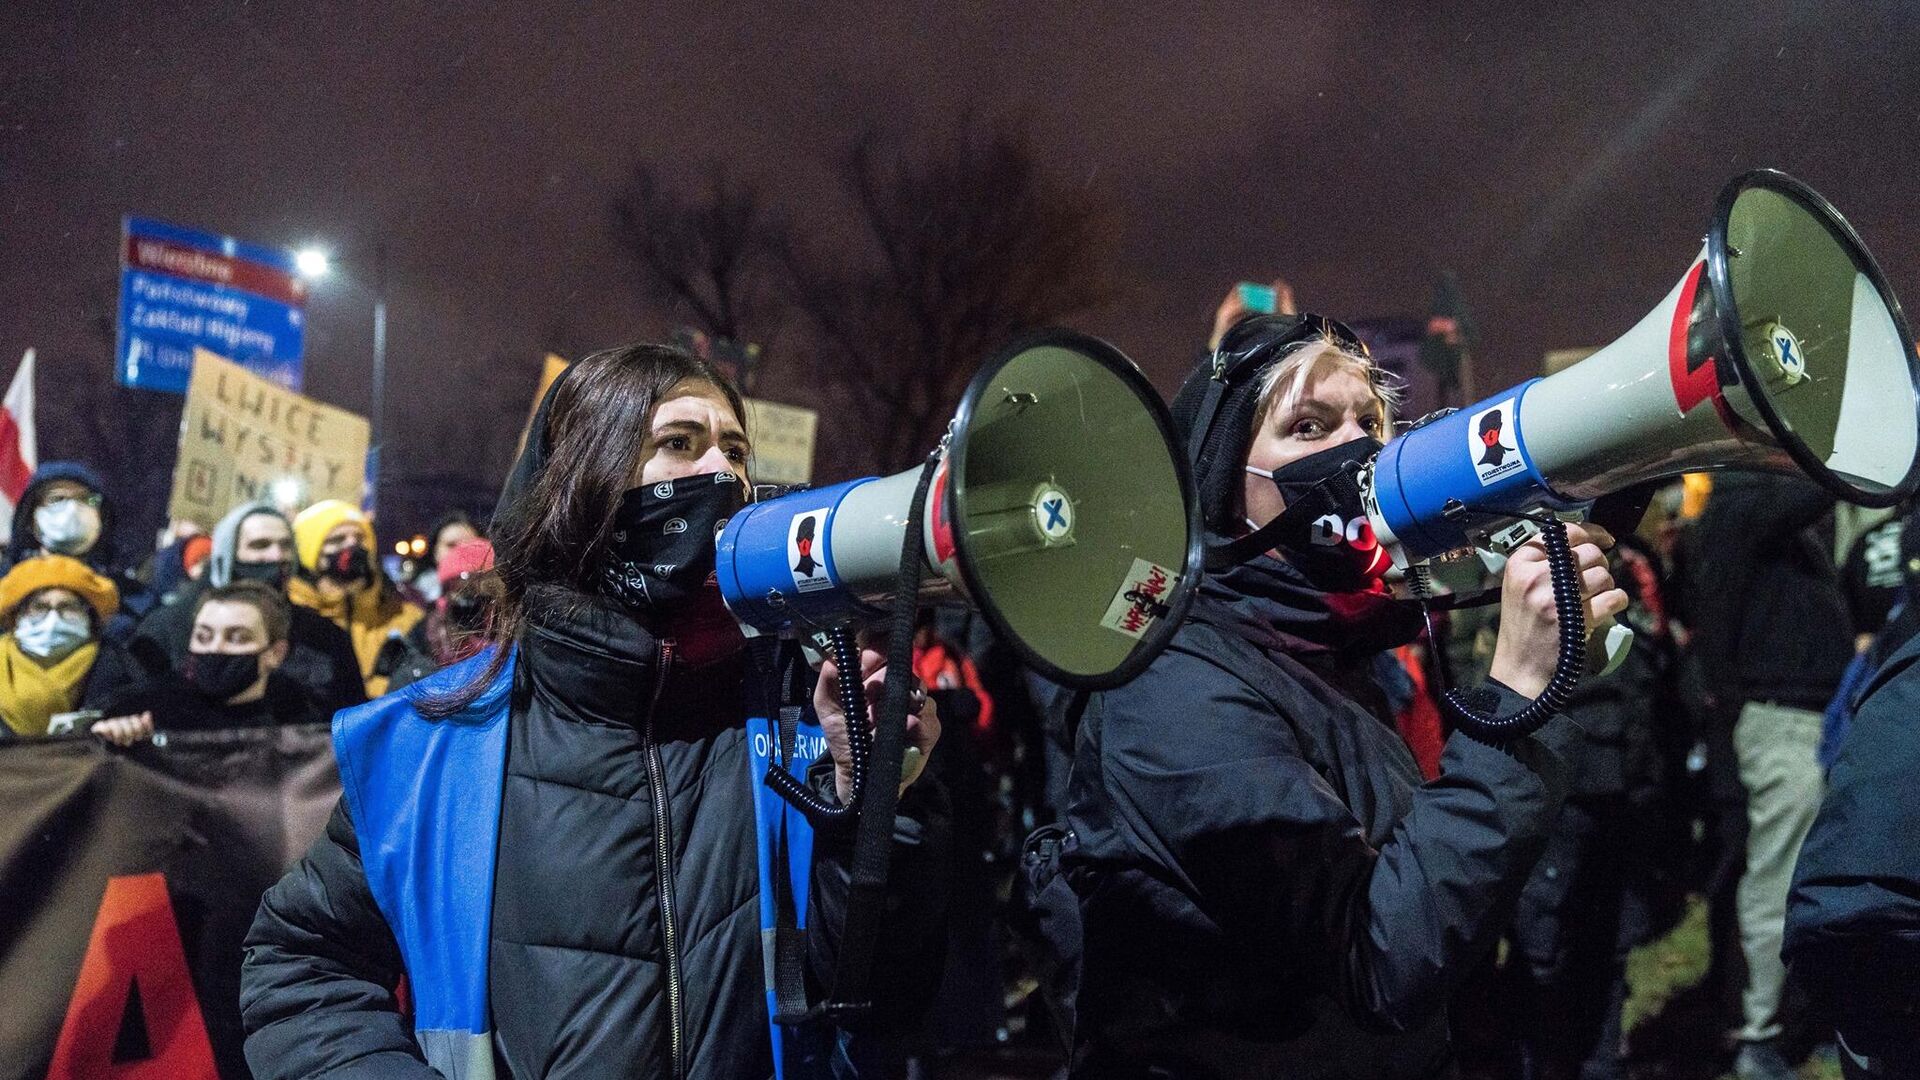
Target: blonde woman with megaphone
(1265,886)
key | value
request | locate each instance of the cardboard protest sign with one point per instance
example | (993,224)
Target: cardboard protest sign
(782,442)
(241,434)
(549,372)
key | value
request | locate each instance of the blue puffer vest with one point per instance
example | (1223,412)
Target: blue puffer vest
(425,798)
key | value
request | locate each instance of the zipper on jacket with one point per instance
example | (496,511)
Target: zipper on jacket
(663,847)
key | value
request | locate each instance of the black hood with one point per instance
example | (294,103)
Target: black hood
(1248,349)
(532,460)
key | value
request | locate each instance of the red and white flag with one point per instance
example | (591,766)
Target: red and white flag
(18,453)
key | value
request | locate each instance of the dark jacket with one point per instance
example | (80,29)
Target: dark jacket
(582,980)
(1764,600)
(1853,915)
(320,655)
(416,658)
(178,705)
(1267,887)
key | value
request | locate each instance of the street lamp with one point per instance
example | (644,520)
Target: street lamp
(315,262)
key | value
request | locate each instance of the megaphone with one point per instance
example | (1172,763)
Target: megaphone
(1060,507)
(1782,348)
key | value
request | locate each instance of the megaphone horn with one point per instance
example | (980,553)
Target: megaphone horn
(1782,348)
(1062,510)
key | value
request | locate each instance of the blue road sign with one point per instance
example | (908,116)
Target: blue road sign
(181,288)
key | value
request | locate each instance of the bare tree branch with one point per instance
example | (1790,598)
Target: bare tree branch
(971,243)
(707,255)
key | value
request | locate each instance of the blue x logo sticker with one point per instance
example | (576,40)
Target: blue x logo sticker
(1056,513)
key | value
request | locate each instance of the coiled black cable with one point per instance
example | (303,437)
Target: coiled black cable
(1473,711)
(853,704)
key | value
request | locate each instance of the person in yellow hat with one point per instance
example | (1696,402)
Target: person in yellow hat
(53,607)
(337,578)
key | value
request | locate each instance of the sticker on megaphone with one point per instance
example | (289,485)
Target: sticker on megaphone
(1140,600)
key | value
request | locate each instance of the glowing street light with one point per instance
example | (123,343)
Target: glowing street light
(313,262)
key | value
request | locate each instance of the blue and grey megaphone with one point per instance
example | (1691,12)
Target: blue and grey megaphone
(1782,348)
(1058,505)
(1060,508)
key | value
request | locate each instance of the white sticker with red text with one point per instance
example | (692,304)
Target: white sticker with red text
(1142,599)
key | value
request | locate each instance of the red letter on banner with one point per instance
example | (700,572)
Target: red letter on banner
(134,940)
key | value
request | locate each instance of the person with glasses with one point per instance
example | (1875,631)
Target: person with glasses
(1264,885)
(65,511)
(53,607)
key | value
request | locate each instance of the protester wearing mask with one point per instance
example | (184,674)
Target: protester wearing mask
(53,607)
(1264,886)
(253,542)
(449,531)
(455,626)
(585,782)
(337,578)
(231,676)
(65,511)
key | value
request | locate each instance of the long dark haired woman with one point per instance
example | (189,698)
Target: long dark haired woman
(555,840)
(1267,889)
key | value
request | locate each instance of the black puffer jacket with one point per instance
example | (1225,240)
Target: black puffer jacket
(625,910)
(1267,888)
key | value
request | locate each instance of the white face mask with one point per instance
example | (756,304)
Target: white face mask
(67,526)
(52,635)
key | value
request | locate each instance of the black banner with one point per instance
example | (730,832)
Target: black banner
(128,879)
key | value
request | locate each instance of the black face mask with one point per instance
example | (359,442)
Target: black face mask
(662,552)
(271,574)
(1327,537)
(222,675)
(347,566)
(467,609)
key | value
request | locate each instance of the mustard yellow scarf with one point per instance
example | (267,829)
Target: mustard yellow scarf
(30,693)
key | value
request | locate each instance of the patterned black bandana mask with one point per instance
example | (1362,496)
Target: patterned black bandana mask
(662,552)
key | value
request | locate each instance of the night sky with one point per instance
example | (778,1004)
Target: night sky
(1564,165)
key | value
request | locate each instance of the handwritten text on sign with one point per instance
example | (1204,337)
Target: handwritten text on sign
(240,434)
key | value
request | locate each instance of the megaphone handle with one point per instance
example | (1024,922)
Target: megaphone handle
(1472,710)
(853,704)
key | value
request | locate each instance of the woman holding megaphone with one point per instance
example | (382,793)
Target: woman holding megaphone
(1266,887)
(555,840)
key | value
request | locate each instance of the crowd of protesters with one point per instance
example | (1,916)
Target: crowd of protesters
(1367,865)
(264,620)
